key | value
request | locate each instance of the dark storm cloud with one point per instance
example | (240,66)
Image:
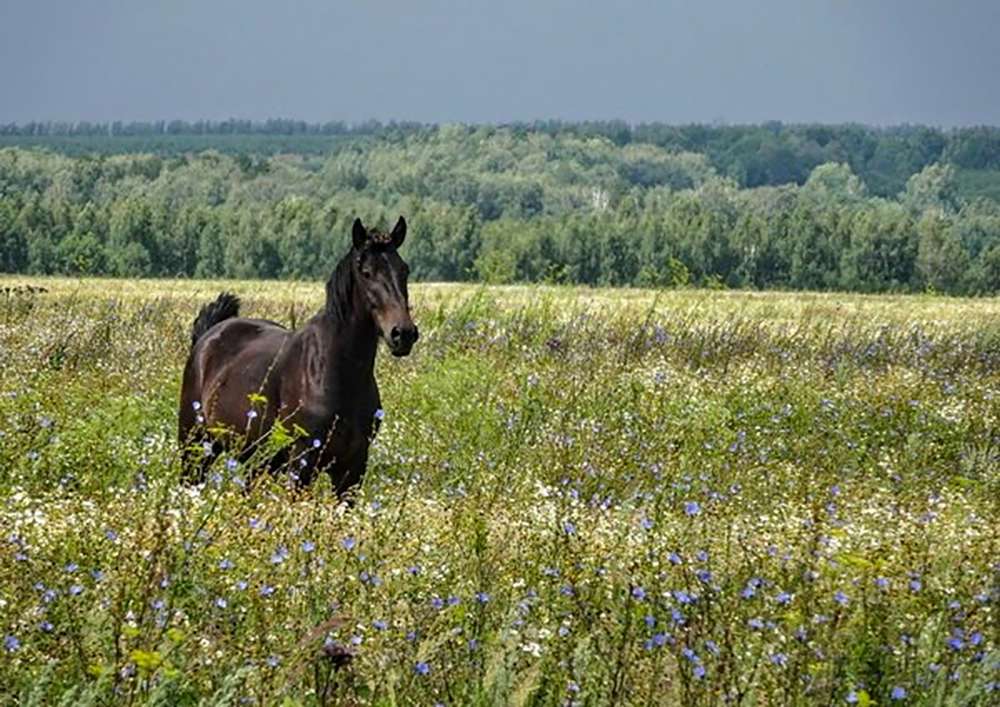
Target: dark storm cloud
(793,60)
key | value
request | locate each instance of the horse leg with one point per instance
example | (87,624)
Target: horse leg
(347,474)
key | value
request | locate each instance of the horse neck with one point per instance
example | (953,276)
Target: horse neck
(350,345)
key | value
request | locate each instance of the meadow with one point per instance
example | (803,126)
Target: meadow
(578,496)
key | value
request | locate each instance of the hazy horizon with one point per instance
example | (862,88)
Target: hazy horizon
(443,61)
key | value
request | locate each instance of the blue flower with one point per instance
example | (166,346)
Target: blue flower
(221,603)
(437,602)
(273,661)
(225,564)
(231,464)
(882,583)
(422,668)
(71,568)
(840,598)
(75,589)
(755,623)
(956,644)
(783,598)
(380,414)
(683,597)
(692,508)
(698,672)
(10,643)
(646,524)
(898,693)
(674,558)
(380,624)
(915,586)
(266,590)
(46,626)
(712,647)
(279,555)
(348,543)
(660,639)
(650,620)
(482,597)
(779,659)
(851,698)
(308,546)
(638,593)
(569,528)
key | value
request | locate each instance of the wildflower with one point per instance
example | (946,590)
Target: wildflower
(569,528)
(915,586)
(882,583)
(251,414)
(783,598)
(279,555)
(638,593)
(437,602)
(674,558)
(660,639)
(701,556)
(690,655)
(231,464)
(646,524)
(308,546)
(254,523)
(712,647)
(273,661)
(482,597)
(266,590)
(422,668)
(71,568)
(380,414)
(756,623)
(841,598)
(698,672)
(414,570)
(110,535)
(650,620)
(692,508)
(898,693)
(207,447)
(225,564)
(10,643)
(956,644)
(379,624)
(75,589)
(46,626)
(779,659)
(683,597)
(348,543)
(241,584)
(221,603)
(851,698)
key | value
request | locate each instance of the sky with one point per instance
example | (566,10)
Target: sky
(879,62)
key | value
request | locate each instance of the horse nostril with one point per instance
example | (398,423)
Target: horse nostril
(394,335)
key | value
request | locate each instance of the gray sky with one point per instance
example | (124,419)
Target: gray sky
(871,61)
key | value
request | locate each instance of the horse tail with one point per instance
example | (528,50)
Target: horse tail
(226,306)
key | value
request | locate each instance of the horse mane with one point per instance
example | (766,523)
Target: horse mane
(340,286)
(340,290)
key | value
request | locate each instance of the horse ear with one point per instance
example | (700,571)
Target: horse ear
(399,232)
(359,234)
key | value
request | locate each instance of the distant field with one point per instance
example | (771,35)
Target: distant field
(578,496)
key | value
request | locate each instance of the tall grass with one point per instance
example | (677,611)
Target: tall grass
(577,496)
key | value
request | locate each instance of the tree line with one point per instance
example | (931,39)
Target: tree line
(573,203)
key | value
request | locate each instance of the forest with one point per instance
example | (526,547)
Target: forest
(773,206)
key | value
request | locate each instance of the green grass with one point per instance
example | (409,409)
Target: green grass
(586,496)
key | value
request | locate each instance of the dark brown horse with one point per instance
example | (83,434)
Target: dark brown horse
(245,375)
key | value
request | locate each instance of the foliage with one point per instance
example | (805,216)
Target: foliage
(756,207)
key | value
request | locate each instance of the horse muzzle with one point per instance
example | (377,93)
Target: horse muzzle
(401,339)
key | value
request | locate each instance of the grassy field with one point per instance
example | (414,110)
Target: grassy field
(577,496)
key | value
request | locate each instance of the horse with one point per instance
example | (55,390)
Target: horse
(244,377)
